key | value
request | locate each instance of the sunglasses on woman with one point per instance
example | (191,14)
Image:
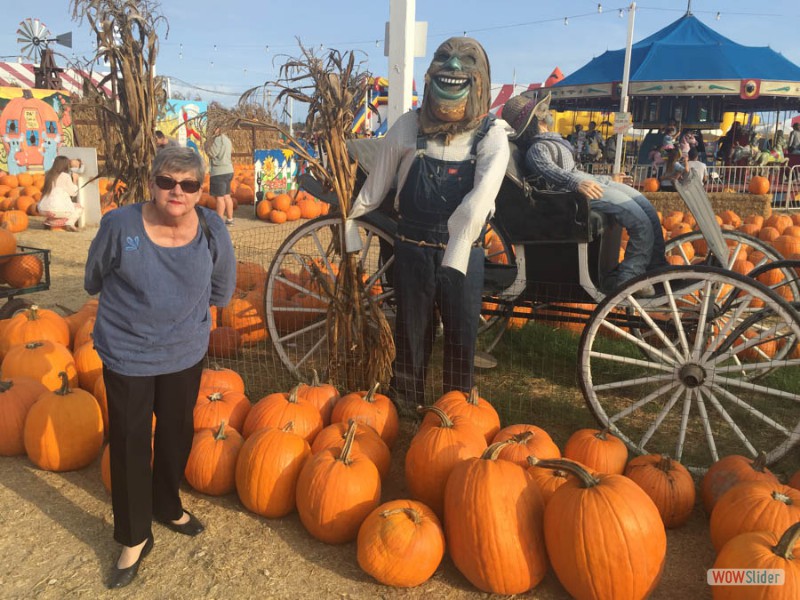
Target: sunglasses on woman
(189,186)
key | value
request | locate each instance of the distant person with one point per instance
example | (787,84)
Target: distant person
(793,143)
(163,141)
(578,139)
(697,166)
(60,187)
(549,159)
(219,149)
(675,167)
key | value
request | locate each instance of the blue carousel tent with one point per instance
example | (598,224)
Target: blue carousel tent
(689,60)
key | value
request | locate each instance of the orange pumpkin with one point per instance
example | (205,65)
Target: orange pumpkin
(278,409)
(401,543)
(526,440)
(758,185)
(211,467)
(23,271)
(213,408)
(16,398)
(88,364)
(282,202)
(8,245)
(372,408)
(479,410)
(34,324)
(366,441)
(245,317)
(322,395)
(598,450)
(277,216)
(263,209)
(669,485)
(730,470)
(42,361)
(548,480)
(14,220)
(219,379)
(224,342)
(651,184)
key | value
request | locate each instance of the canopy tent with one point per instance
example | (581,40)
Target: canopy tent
(688,72)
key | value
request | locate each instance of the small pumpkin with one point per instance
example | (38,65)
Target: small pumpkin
(213,408)
(89,365)
(211,467)
(479,410)
(23,271)
(526,440)
(278,409)
(668,483)
(730,470)
(367,441)
(322,395)
(16,398)
(548,480)
(651,184)
(401,543)
(758,185)
(64,429)
(336,491)
(219,379)
(598,450)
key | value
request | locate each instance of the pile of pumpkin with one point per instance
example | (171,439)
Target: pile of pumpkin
(757,185)
(19,195)
(290,206)
(18,270)
(242,187)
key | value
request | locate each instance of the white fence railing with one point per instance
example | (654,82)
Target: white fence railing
(784,182)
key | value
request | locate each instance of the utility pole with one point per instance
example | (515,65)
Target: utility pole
(401,57)
(626,75)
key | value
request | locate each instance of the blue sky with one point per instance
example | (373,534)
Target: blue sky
(227,46)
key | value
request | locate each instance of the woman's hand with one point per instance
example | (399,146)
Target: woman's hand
(590,189)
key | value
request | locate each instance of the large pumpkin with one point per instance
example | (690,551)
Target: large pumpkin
(23,271)
(479,410)
(494,524)
(526,440)
(267,469)
(213,408)
(730,470)
(42,361)
(211,468)
(88,364)
(435,451)
(598,450)
(322,395)
(64,429)
(604,536)
(336,491)
(219,379)
(372,408)
(16,398)
(401,543)
(668,483)
(34,324)
(758,551)
(753,506)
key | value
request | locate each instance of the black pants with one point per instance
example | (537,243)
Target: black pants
(421,285)
(139,492)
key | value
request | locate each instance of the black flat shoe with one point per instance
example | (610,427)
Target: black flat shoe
(192,527)
(122,577)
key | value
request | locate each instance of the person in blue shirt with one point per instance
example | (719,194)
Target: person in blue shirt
(158,267)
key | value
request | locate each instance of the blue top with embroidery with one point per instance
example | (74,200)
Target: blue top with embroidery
(153,316)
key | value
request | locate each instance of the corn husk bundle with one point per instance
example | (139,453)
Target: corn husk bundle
(127,41)
(360,343)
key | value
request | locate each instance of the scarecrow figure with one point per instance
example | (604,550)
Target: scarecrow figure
(449,159)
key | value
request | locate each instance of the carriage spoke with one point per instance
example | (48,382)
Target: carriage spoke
(728,419)
(646,400)
(729,324)
(312,350)
(687,407)
(656,329)
(734,254)
(701,320)
(659,418)
(366,248)
(322,252)
(631,382)
(752,387)
(752,411)
(763,335)
(701,408)
(649,350)
(770,364)
(294,334)
(380,272)
(631,361)
(676,319)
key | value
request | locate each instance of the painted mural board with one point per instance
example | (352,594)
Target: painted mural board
(34,124)
(179,121)
(275,170)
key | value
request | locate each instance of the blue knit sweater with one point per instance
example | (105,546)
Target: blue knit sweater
(153,316)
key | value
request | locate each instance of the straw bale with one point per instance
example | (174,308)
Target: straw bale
(741,204)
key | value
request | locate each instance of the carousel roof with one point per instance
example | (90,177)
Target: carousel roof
(686,58)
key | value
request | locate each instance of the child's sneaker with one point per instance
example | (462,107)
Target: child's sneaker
(228,221)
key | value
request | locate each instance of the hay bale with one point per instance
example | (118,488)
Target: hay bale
(741,204)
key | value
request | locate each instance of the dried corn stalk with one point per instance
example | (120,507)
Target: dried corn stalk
(360,343)
(128,42)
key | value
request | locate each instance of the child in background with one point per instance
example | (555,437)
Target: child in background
(60,187)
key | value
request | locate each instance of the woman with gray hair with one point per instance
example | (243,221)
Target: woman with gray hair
(549,158)
(159,265)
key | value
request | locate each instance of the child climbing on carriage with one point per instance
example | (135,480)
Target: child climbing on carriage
(549,160)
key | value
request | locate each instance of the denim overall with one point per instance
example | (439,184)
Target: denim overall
(432,191)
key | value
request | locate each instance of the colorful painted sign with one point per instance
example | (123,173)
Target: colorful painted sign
(275,170)
(179,121)
(34,124)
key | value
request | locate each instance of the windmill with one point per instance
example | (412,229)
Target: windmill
(35,39)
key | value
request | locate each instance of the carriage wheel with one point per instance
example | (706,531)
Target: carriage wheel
(295,304)
(684,388)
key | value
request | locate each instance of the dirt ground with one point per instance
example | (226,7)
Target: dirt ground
(56,528)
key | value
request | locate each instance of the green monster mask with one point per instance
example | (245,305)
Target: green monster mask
(457,88)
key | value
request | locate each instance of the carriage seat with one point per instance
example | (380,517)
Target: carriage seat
(529,215)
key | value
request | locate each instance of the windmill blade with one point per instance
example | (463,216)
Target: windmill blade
(33,30)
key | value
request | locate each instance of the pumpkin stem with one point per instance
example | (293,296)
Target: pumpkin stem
(344,455)
(33,312)
(214,396)
(521,438)
(493,451)
(64,389)
(782,498)
(288,427)
(370,395)
(5,386)
(586,479)
(602,434)
(472,397)
(221,432)
(444,419)
(760,462)
(314,378)
(785,546)
(292,399)
(34,345)
(665,464)
(410,512)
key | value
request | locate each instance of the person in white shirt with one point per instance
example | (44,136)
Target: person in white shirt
(60,187)
(450,158)
(697,166)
